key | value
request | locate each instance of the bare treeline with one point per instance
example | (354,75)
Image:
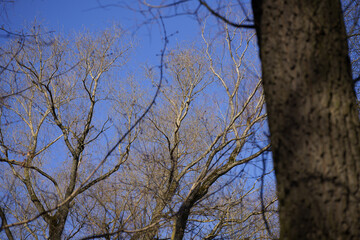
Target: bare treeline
(188,170)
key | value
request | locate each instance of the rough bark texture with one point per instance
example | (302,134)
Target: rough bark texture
(313,118)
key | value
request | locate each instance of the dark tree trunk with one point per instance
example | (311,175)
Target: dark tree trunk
(313,117)
(184,212)
(55,232)
(57,224)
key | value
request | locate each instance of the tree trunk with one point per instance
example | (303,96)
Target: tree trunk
(55,231)
(57,224)
(182,218)
(313,117)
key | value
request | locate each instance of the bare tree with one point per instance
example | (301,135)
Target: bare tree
(56,116)
(192,151)
(180,173)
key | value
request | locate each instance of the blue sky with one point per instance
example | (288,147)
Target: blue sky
(69,16)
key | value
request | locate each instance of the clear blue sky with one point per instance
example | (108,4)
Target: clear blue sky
(68,16)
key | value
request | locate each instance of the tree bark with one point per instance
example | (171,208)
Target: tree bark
(183,213)
(313,117)
(58,221)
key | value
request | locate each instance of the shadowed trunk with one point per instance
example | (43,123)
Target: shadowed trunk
(183,213)
(57,223)
(313,117)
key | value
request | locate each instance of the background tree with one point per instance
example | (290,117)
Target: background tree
(63,83)
(173,176)
(191,152)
